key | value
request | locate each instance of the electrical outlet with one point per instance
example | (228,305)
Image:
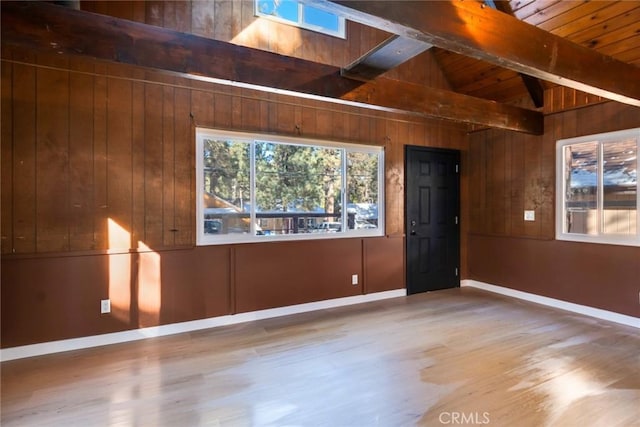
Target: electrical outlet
(354,279)
(529,215)
(105,306)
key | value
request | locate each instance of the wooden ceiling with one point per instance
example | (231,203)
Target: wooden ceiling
(609,27)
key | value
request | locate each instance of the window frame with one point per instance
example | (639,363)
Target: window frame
(342,24)
(203,239)
(601,238)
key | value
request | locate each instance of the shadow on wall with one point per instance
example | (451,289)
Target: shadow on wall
(135,280)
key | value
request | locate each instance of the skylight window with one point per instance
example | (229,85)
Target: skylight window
(295,13)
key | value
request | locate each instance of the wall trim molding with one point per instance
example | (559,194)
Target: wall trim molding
(50,347)
(555,303)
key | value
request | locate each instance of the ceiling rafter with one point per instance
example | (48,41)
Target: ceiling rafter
(475,30)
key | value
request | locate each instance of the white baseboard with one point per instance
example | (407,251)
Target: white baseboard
(40,349)
(552,302)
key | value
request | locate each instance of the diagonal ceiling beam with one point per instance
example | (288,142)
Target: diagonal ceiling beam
(387,55)
(50,28)
(533,85)
(473,29)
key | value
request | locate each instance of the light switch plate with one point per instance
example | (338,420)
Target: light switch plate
(529,215)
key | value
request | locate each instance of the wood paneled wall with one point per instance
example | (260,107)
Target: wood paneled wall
(560,98)
(85,142)
(98,182)
(511,172)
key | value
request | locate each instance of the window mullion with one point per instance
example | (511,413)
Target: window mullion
(300,14)
(600,175)
(343,192)
(252,185)
(637,192)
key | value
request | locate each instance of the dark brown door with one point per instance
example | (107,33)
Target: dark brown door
(432,218)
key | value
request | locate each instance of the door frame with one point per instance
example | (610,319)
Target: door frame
(457,154)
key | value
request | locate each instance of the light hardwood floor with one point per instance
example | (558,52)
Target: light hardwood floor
(454,357)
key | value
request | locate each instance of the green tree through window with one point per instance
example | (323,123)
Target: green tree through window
(255,187)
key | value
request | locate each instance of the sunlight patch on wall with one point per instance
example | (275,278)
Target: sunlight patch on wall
(272,36)
(119,272)
(149,287)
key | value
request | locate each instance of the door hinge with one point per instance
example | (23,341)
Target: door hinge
(456,271)
(457,168)
(456,219)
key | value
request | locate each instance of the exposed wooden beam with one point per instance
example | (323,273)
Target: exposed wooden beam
(46,27)
(533,85)
(476,30)
(387,55)
(535,89)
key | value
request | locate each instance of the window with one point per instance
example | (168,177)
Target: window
(262,188)
(597,188)
(294,12)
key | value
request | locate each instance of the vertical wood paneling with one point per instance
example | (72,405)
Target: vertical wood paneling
(154,13)
(127,142)
(284,119)
(52,160)
(323,122)
(138,209)
(203,18)
(532,152)
(6,153)
(119,148)
(153,169)
(168,162)
(183,16)
(560,98)
(496,189)
(184,169)
(531,175)
(202,107)
(169,15)
(138,11)
(309,119)
(354,37)
(508,200)
(250,113)
(223,22)
(474,168)
(394,180)
(339,129)
(237,119)
(516,196)
(100,161)
(120,9)
(222,107)
(81,174)
(253,29)
(545,213)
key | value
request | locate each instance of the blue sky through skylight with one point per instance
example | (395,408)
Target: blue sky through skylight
(301,15)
